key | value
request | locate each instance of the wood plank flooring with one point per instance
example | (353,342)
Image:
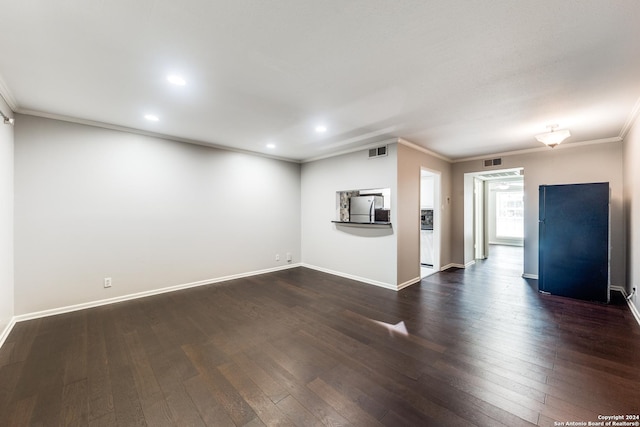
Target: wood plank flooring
(302,348)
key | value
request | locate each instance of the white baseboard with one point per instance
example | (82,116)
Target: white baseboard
(7,330)
(409,283)
(620,289)
(91,304)
(634,311)
(529,276)
(632,306)
(352,277)
(455,265)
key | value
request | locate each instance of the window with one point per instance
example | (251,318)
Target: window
(510,214)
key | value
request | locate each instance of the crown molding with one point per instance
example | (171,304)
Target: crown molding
(466,159)
(631,120)
(579,144)
(119,128)
(103,125)
(424,150)
(351,150)
(6,94)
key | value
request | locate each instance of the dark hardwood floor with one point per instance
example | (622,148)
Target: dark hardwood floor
(298,347)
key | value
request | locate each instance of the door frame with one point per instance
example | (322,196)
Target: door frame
(471,213)
(437,216)
(480,226)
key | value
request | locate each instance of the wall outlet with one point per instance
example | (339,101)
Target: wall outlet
(288,256)
(107,282)
(277,257)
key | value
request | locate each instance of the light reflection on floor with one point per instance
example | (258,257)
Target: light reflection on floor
(399,328)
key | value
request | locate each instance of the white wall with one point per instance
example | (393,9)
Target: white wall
(632,209)
(590,163)
(148,212)
(6,221)
(365,253)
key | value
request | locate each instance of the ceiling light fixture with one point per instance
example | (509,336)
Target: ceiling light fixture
(151,118)
(7,120)
(321,128)
(554,136)
(176,80)
(271,146)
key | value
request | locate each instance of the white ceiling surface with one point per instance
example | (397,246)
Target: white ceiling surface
(459,78)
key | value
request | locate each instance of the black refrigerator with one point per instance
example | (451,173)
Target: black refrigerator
(574,241)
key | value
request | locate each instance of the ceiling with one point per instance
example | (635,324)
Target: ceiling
(459,78)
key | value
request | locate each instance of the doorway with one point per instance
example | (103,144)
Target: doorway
(497,211)
(430,220)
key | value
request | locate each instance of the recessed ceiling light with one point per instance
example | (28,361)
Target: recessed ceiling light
(321,128)
(176,80)
(271,146)
(151,117)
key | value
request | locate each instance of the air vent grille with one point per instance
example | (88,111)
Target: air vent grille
(378,152)
(492,162)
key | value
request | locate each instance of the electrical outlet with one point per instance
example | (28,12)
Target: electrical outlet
(288,256)
(107,282)
(631,295)
(277,257)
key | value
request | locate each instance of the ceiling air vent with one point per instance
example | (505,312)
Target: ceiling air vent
(378,152)
(492,162)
